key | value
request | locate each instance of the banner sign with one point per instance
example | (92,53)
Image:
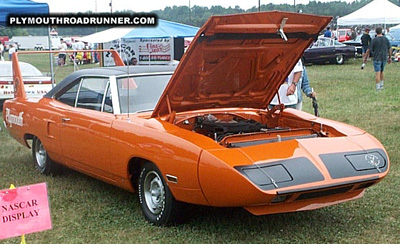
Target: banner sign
(24,210)
(141,50)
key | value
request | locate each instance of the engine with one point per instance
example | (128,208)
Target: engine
(217,129)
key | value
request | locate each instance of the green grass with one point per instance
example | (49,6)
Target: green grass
(85,210)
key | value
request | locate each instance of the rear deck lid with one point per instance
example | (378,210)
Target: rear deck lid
(239,61)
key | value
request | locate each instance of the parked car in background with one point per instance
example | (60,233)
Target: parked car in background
(328,50)
(36,84)
(395,42)
(356,43)
(395,33)
(343,35)
(39,47)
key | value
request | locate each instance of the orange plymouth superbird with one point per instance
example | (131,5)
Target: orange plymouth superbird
(202,133)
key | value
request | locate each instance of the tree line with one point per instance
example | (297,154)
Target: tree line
(198,15)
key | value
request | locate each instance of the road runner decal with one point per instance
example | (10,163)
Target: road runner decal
(13,119)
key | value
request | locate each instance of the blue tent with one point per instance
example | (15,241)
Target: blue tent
(20,7)
(164,29)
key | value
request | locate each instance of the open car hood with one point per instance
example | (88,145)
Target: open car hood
(239,61)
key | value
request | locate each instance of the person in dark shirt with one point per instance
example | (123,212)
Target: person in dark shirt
(365,42)
(381,49)
(328,32)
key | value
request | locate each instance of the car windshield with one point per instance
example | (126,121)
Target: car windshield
(140,94)
(336,43)
(389,37)
(26,69)
(322,42)
(395,33)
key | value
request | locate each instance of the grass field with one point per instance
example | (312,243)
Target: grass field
(85,210)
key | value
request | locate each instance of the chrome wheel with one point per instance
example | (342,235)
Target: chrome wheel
(154,193)
(158,205)
(41,159)
(40,154)
(339,59)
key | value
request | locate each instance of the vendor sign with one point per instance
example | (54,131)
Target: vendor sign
(24,210)
(141,50)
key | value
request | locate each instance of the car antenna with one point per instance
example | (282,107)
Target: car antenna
(127,63)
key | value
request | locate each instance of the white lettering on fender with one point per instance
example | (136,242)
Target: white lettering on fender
(14,119)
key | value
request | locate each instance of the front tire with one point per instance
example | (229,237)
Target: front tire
(41,159)
(158,205)
(339,59)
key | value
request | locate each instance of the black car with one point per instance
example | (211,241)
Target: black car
(356,43)
(328,50)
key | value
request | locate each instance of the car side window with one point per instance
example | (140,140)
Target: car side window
(69,96)
(91,93)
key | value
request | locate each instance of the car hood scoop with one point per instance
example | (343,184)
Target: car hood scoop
(239,61)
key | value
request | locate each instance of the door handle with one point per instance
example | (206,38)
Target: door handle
(65,120)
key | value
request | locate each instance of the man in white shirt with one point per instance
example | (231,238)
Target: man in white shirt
(1,51)
(288,90)
(62,55)
(11,50)
(79,45)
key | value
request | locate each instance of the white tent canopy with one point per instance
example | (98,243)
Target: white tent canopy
(107,35)
(395,27)
(376,12)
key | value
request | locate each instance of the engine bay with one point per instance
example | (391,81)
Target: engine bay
(217,129)
(239,130)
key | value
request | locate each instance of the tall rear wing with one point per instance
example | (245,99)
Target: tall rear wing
(19,89)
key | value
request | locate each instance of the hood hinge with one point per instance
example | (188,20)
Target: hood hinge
(281,32)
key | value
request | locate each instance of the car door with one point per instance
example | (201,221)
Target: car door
(320,51)
(85,126)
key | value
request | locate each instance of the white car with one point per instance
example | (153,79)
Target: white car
(36,84)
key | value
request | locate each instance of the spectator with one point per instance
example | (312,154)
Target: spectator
(62,55)
(11,50)
(132,61)
(354,34)
(288,90)
(365,42)
(79,45)
(94,47)
(1,51)
(304,85)
(328,32)
(381,49)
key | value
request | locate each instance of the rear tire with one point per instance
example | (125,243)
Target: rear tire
(158,205)
(41,159)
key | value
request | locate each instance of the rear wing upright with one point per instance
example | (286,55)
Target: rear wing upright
(19,89)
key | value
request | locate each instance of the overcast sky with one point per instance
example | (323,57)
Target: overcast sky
(62,6)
